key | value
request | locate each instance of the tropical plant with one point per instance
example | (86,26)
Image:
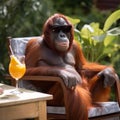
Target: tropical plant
(100,45)
(96,42)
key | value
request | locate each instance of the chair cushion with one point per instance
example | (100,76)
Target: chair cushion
(18,45)
(106,108)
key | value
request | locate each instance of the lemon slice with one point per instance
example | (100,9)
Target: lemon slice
(14,60)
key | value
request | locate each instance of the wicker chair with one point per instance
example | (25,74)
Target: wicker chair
(108,111)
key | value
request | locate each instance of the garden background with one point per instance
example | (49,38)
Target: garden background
(23,18)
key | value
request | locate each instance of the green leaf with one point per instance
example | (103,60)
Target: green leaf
(73,21)
(108,40)
(111,19)
(100,38)
(114,31)
(86,31)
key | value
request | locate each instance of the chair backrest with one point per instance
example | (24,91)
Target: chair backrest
(18,45)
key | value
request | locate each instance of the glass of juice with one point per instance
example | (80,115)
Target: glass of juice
(17,68)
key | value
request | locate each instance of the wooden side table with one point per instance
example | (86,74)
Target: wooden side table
(28,104)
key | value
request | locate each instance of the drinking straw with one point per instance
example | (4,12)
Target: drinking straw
(11,50)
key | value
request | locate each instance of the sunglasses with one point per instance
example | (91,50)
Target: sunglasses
(64,28)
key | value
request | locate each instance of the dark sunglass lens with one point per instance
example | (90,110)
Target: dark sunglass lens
(67,29)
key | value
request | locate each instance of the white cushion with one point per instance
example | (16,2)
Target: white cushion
(18,45)
(106,108)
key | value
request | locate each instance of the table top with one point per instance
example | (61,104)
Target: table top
(8,98)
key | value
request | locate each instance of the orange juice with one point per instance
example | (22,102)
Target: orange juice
(16,68)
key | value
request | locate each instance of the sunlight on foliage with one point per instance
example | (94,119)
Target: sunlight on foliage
(97,43)
(111,19)
(73,21)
